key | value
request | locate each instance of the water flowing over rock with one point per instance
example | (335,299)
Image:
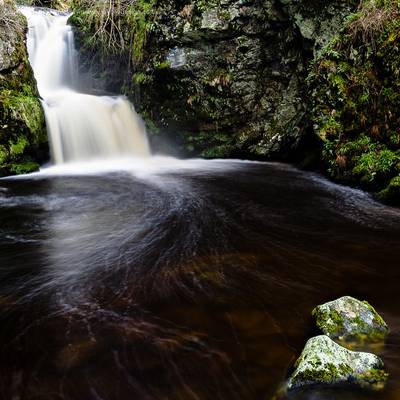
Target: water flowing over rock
(350,319)
(81,126)
(323,362)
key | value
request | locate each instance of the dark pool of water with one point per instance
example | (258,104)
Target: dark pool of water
(183,285)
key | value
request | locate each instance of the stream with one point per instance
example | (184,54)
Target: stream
(182,279)
(125,275)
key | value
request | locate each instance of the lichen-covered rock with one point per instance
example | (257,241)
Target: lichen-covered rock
(324,362)
(23,139)
(350,319)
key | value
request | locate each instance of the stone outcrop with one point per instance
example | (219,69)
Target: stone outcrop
(323,362)
(350,319)
(222,78)
(23,139)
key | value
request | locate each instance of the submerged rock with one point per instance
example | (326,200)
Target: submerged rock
(350,319)
(324,362)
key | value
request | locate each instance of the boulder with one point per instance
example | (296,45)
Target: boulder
(350,319)
(324,362)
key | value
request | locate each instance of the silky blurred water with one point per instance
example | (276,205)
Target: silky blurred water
(182,279)
(80,126)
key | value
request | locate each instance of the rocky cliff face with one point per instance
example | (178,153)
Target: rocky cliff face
(264,79)
(223,77)
(23,139)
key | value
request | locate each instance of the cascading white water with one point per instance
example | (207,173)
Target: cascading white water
(81,127)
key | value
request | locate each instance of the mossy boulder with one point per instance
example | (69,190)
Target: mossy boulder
(23,138)
(350,320)
(324,362)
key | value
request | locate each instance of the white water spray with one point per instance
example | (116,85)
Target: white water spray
(81,127)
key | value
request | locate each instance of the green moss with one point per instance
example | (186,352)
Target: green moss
(140,16)
(24,167)
(141,78)
(355,92)
(379,320)
(332,323)
(327,374)
(122,28)
(391,194)
(23,135)
(18,148)
(374,379)
(377,164)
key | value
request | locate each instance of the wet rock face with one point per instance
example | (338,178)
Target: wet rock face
(349,319)
(225,77)
(323,362)
(23,139)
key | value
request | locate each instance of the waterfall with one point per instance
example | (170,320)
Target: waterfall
(81,127)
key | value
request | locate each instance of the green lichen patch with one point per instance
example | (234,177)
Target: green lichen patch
(350,320)
(324,362)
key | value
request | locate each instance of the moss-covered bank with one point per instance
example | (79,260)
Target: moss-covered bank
(23,139)
(355,90)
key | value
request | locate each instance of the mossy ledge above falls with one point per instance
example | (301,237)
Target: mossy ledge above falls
(23,139)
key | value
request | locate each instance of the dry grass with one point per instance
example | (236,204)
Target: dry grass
(119,25)
(106,16)
(372,18)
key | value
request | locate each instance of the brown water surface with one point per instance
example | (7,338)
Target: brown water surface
(181,285)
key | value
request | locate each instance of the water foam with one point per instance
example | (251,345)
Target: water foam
(81,127)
